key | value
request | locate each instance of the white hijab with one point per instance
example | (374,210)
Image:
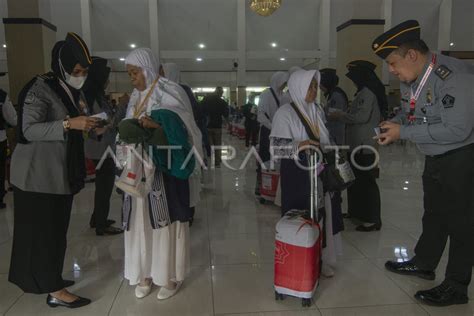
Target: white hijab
(170,96)
(294,69)
(166,94)
(278,79)
(144,59)
(172,72)
(287,124)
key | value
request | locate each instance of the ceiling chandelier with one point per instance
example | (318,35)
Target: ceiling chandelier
(265,7)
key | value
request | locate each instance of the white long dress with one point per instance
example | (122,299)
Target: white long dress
(161,254)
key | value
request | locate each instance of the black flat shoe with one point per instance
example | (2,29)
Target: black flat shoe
(54,302)
(371,228)
(442,295)
(68,283)
(409,268)
(109,222)
(108,231)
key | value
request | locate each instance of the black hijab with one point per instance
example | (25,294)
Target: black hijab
(94,87)
(364,77)
(64,57)
(330,80)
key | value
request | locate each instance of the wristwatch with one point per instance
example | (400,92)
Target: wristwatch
(66,124)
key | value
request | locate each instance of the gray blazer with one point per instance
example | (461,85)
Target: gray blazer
(362,118)
(40,166)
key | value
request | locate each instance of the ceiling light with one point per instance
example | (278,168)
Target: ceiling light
(122,59)
(282,59)
(274,44)
(405,188)
(202,46)
(4,45)
(451,44)
(199,59)
(133,46)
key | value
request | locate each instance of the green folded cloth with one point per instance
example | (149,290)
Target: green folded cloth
(131,132)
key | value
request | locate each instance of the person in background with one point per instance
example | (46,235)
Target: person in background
(216,109)
(97,144)
(336,100)
(270,101)
(251,123)
(48,168)
(361,119)
(8,117)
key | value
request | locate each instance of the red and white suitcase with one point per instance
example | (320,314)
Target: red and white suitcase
(298,247)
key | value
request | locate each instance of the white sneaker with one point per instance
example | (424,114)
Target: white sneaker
(165,293)
(327,271)
(142,291)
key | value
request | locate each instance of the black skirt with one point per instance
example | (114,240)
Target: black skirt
(363,197)
(41,222)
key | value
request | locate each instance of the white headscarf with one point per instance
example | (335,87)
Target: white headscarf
(172,72)
(267,104)
(278,79)
(170,96)
(287,124)
(294,69)
(146,61)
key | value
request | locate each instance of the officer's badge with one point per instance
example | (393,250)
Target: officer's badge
(443,72)
(376,46)
(448,101)
(30,98)
(429,96)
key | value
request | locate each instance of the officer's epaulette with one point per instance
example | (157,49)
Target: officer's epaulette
(46,76)
(443,72)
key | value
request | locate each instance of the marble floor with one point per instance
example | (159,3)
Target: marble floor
(232,256)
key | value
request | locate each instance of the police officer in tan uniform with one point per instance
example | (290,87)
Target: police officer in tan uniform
(438,116)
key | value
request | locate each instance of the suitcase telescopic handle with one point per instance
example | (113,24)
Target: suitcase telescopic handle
(314,186)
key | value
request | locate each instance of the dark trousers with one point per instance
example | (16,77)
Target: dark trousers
(448,185)
(251,134)
(104,185)
(41,222)
(263,152)
(363,197)
(3,162)
(215,139)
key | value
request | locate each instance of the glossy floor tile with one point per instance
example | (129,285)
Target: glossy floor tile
(232,251)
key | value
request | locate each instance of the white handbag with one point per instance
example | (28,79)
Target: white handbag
(138,172)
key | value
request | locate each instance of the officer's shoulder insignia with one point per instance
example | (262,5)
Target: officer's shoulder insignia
(443,72)
(448,101)
(30,97)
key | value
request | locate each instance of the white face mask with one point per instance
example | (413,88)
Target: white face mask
(75,82)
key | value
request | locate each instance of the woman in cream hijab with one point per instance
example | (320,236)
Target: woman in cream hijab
(157,241)
(288,135)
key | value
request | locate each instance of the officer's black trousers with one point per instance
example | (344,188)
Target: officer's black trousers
(104,184)
(448,184)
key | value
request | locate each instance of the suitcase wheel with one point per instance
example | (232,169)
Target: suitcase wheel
(262,201)
(306,302)
(279,297)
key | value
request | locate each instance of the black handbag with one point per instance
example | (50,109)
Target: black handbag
(336,175)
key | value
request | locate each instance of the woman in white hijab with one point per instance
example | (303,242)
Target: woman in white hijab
(287,136)
(157,241)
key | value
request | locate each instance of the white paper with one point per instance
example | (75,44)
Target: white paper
(102,116)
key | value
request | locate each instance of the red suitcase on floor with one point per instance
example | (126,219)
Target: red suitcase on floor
(298,246)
